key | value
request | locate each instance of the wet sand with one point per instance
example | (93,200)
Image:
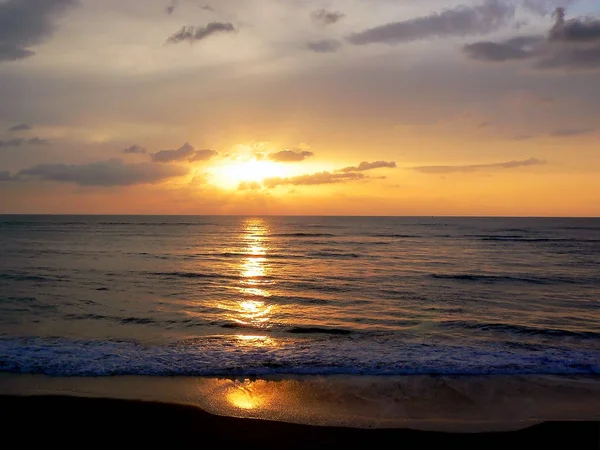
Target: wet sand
(86,422)
(465,404)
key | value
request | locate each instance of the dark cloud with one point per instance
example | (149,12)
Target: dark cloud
(584,29)
(570,44)
(183,153)
(104,173)
(135,149)
(26,23)
(171,7)
(523,47)
(5,175)
(191,34)
(20,127)
(573,43)
(314,179)
(249,186)
(369,166)
(324,46)
(18,142)
(461,21)
(479,167)
(37,141)
(567,132)
(324,17)
(290,155)
(10,53)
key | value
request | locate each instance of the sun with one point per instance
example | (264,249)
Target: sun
(232,173)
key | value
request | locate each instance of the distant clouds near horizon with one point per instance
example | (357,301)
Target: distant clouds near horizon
(368,107)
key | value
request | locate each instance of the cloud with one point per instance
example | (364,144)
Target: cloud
(18,142)
(37,141)
(584,29)
(20,127)
(324,17)
(573,43)
(567,132)
(571,58)
(543,7)
(191,34)
(314,179)
(290,155)
(249,186)
(171,7)
(460,21)
(369,166)
(522,47)
(26,23)
(5,175)
(324,46)
(523,137)
(184,153)
(135,149)
(478,167)
(570,44)
(103,173)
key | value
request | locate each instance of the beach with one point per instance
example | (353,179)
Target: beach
(306,412)
(76,422)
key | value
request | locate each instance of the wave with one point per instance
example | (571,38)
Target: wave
(126,320)
(192,275)
(392,235)
(341,255)
(25,304)
(579,228)
(489,279)
(253,255)
(509,238)
(42,223)
(91,223)
(27,277)
(226,355)
(155,224)
(518,329)
(317,286)
(318,330)
(303,235)
(297,299)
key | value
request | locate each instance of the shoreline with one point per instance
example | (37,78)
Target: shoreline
(465,404)
(76,421)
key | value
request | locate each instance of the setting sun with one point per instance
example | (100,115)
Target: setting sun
(254,171)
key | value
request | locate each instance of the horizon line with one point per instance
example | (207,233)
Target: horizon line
(304,215)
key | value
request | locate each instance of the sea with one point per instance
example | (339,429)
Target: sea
(96,296)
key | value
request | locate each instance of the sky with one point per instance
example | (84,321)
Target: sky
(319,107)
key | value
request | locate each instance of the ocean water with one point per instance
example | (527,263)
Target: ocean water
(242,296)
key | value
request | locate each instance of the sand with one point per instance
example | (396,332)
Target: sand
(544,412)
(91,422)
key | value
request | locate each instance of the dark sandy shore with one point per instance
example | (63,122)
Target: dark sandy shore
(87,422)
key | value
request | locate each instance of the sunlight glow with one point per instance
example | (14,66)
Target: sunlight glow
(244,395)
(233,173)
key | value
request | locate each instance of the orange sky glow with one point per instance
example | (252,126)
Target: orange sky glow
(317,107)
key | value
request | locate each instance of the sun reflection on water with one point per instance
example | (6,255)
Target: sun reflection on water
(253,309)
(255,341)
(243,395)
